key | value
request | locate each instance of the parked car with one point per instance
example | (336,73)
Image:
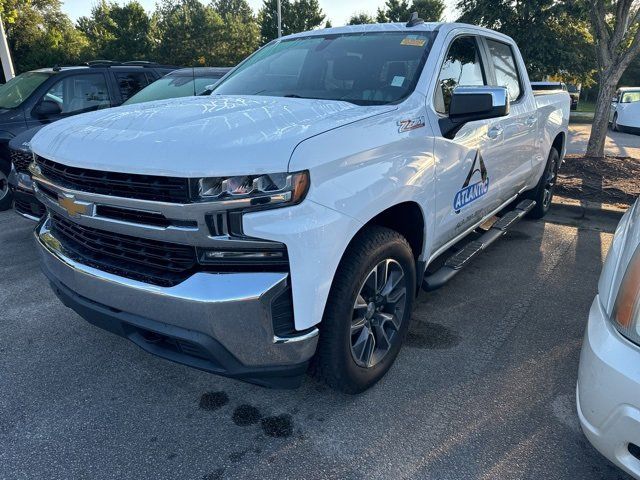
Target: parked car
(181,83)
(608,391)
(293,214)
(624,115)
(43,96)
(63,92)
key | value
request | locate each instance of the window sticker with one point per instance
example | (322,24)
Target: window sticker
(397,81)
(414,41)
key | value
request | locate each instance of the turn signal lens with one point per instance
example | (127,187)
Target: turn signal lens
(626,311)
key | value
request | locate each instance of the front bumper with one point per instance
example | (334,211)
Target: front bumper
(220,323)
(25,202)
(608,391)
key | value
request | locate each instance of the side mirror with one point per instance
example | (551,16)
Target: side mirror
(47,108)
(469,104)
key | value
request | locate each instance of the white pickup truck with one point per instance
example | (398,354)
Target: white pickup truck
(290,218)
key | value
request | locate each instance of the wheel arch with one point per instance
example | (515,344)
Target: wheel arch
(559,143)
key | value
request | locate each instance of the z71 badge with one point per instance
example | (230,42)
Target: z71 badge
(472,192)
(410,124)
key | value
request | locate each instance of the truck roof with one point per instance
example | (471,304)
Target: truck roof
(393,27)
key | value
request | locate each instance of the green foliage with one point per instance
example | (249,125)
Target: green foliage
(394,11)
(118,32)
(297,16)
(361,18)
(553,36)
(429,10)
(39,34)
(401,10)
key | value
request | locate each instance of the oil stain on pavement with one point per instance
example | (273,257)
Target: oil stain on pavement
(432,336)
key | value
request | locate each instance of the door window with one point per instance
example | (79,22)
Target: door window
(462,67)
(79,93)
(504,64)
(130,83)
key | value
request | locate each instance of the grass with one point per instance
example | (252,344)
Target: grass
(584,106)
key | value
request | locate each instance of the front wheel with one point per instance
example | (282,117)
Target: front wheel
(368,311)
(614,123)
(5,194)
(543,193)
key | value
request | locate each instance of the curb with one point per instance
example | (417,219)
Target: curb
(585,208)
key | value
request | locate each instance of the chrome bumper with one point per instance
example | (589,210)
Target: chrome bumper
(233,310)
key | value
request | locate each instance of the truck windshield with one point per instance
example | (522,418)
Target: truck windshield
(364,68)
(18,89)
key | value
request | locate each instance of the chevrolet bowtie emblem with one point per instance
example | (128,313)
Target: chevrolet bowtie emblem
(74,207)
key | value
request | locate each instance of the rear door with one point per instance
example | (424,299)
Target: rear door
(468,167)
(130,82)
(520,128)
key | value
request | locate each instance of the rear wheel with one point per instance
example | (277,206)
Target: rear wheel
(543,193)
(614,123)
(5,194)
(368,311)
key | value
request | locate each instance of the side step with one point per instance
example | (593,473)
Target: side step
(461,259)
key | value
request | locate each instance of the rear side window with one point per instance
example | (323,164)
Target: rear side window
(462,67)
(131,83)
(504,64)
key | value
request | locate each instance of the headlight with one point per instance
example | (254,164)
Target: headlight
(626,310)
(253,191)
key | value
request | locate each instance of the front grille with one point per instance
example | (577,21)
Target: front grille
(116,184)
(150,261)
(21,160)
(27,208)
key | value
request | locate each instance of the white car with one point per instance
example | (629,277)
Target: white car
(608,391)
(625,111)
(294,212)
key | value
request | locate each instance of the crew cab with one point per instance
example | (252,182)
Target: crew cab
(39,97)
(288,220)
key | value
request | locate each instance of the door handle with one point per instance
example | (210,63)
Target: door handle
(495,132)
(532,120)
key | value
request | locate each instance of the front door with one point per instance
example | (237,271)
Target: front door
(468,168)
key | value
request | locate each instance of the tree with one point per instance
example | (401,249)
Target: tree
(40,35)
(552,35)
(240,32)
(616,28)
(118,32)
(297,16)
(360,18)
(429,10)
(188,33)
(394,11)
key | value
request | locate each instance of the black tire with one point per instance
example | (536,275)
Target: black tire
(335,361)
(543,193)
(6,197)
(614,123)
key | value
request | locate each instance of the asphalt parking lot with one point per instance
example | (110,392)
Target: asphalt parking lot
(618,144)
(484,388)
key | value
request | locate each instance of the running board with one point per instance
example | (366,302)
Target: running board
(461,259)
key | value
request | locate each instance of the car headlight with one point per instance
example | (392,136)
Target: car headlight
(626,310)
(253,191)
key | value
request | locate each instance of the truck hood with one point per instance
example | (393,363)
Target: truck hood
(196,136)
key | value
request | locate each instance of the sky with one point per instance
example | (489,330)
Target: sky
(338,11)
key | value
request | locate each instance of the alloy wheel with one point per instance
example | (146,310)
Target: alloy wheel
(378,313)
(4,185)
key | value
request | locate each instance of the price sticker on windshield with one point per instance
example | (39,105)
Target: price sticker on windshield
(414,41)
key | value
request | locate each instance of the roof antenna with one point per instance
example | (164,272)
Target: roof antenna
(415,20)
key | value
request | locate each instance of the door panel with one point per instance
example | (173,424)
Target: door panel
(468,167)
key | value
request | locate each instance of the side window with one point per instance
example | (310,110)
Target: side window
(130,83)
(504,64)
(80,93)
(462,67)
